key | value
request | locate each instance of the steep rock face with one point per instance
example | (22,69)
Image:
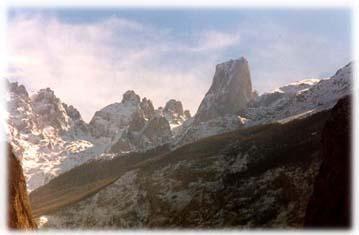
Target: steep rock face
(78,126)
(230,91)
(330,204)
(19,211)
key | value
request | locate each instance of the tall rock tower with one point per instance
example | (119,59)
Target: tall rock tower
(230,91)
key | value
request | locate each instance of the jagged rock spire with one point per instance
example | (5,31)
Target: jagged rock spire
(230,91)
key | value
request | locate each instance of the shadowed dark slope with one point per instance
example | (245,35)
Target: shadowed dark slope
(330,204)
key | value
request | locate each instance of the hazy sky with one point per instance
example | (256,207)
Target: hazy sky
(91,57)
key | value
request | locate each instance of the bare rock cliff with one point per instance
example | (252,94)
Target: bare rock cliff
(19,213)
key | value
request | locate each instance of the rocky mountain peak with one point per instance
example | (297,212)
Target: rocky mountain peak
(137,121)
(156,132)
(147,108)
(230,91)
(50,109)
(130,97)
(231,64)
(113,119)
(44,94)
(174,106)
(173,112)
(73,113)
(187,114)
(19,90)
(21,115)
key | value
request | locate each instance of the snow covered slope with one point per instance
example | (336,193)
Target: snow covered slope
(48,136)
(299,99)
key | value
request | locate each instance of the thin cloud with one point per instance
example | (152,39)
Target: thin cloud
(215,40)
(102,60)
(90,65)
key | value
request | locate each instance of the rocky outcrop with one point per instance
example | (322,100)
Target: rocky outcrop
(147,108)
(50,110)
(134,124)
(187,114)
(21,115)
(130,97)
(143,135)
(330,204)
(173,106)
(173,112)
(78,126)
(72,112)
(112,119)
(19,214)
(230,91)
(156,132)
(137,122)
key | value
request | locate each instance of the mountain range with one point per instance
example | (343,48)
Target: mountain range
(242,159)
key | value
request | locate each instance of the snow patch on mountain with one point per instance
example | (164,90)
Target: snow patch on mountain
(48,136)
(298,86)
(300,99)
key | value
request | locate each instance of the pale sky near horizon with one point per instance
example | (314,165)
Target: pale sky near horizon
(90,57)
